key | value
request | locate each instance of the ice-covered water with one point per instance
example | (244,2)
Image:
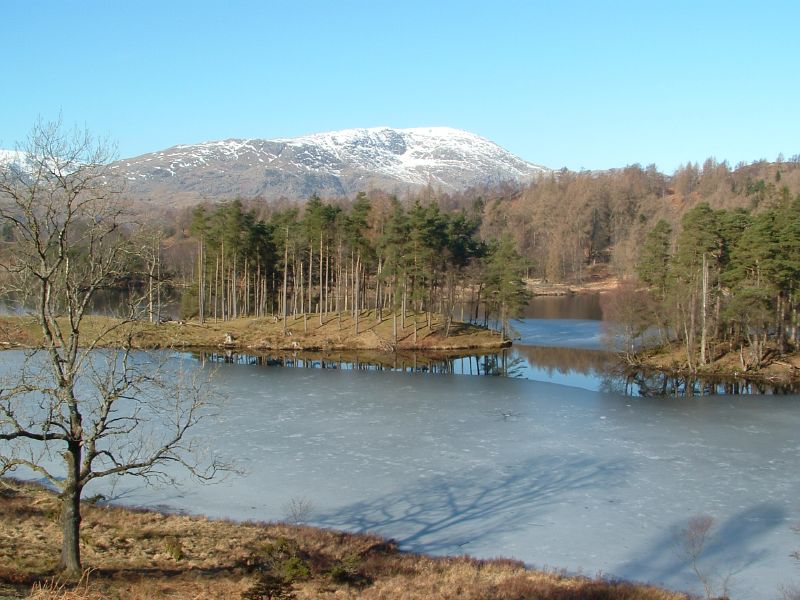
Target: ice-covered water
(552,475)
(555,475)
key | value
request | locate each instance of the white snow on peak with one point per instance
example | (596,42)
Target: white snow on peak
(11,156)
(442,156)
(16,160)
(414,155)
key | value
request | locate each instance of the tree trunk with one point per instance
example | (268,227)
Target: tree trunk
(356,283)
(781,319)
(201,282)
(704,313)
(310,275)
(478,302)
(285,277)
(378,307)
(321,283)
(150,311)
(71,512)
(216,289)
(403,308)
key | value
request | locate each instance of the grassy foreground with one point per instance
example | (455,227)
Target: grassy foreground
(303,333)
(144,555)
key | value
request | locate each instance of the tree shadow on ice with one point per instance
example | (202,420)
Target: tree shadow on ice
(445,514)
(732,546)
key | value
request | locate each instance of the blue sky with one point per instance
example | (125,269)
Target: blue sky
(578,84)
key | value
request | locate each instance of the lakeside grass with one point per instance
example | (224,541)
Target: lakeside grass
(137,554)
(779,369)
(336,332)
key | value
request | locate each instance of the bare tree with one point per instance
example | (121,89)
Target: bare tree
(692,543)
(69,411)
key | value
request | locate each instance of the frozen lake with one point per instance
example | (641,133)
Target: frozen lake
(549,474)
(552,469)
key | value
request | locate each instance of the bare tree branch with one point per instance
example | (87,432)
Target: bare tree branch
(102,413)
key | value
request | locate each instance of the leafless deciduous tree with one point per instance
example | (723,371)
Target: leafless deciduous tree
(68,411)
(693,541)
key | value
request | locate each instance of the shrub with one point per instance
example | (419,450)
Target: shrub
(293,569)
(297,510)
(269,587)
(174,548)
(347,571)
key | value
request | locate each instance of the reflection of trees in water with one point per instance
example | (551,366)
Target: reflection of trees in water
(568,360)
(653,383)
(112,302)
(499,364)
(576,306)
(614,376)
(359,361)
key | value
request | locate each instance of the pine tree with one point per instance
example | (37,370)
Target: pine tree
(654,258)
(504,284)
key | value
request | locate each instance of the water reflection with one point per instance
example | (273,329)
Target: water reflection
(501,364)
(577,306)
(654,383)
(114,302)
(588,369)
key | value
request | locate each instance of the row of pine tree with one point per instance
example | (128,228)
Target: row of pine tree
(323,261)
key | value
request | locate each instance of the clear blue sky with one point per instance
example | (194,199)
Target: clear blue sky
(562,83)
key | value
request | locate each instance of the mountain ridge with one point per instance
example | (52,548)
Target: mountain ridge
(331,164)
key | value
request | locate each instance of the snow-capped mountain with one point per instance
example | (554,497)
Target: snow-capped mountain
(15,160)
(338,163)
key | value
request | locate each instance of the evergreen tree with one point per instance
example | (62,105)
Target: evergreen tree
(504,284)
(654,258)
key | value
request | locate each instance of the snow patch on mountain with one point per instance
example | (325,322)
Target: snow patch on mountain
(16,162)
(337,163)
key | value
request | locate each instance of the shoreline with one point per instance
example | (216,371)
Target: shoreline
(781,370)
(144,553)
(262,336)
(303,333)
(593,285)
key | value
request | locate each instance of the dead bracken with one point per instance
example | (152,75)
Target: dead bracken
(132,554)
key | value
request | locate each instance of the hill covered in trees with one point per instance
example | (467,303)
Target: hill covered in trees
(565,223)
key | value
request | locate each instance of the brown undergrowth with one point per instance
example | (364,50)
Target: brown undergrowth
(138,554)
(779,369)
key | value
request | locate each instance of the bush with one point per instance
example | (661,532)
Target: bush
(347,571)
(294,569)
(269,587)
(174,548)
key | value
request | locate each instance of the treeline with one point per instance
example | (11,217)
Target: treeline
(567,226)
(326,259)
(727,282)
(570,224)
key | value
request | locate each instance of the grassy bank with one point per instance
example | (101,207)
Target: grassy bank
(302,333)
(596,279)
(777,369)
(143,555)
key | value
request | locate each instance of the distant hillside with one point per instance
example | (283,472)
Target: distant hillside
(570,223)
(336,164)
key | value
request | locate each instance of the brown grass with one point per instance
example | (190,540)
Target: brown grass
(778,370)
(128,557)
(267,333)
